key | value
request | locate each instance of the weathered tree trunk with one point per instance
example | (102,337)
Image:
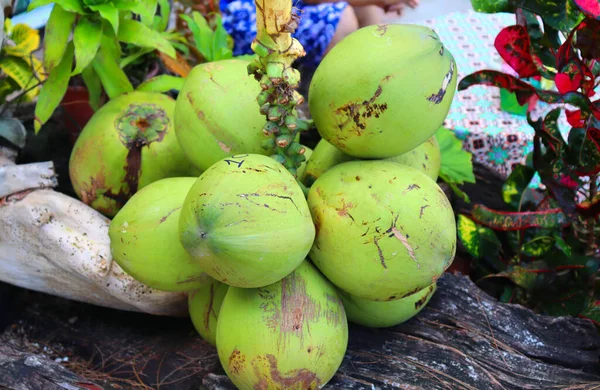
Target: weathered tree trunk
(463,339)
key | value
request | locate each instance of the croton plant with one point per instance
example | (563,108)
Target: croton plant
(542,251)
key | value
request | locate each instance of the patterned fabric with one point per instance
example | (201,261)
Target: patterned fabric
(315,31)
(497,139)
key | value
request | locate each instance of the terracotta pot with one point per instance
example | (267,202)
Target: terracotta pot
(76,110)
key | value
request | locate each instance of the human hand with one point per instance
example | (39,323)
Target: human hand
(397,6)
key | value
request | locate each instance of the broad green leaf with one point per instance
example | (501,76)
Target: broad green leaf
(56,37)
(91,3)
(136,33)
(108,13)
(516,184)
(13,131)
(94,87)
(478,240)
(201,32)
(54,89)
(456,166)
(146,9)
(220,43)
(134,56)
(584,150)
(86,38)
(560,14)
(165,12)
(564,303)
(110,41)
(68,5)
(162,83)
(137,7)
(7,87)
(537,247)
(491,6)
(114,80)
(19,71)
(26,40)
(561,245)
(507,221)
(527,274)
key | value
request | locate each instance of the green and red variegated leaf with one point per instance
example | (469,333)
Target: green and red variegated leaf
(584,150)
(527,275)
(494,78)
(576,118)
(478,240)
(560,14)
(555,175)
(566,53)
(591,311)
(589,209)
(589,7)
(514,46)
(548,131)
(509,221)
(525,91)
(588,39)
(516,184)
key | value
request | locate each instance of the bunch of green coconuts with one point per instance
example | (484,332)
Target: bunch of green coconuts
(274,276)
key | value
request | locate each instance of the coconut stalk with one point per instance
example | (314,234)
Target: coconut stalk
(277,51)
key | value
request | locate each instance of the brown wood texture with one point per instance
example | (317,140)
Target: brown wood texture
(463,339)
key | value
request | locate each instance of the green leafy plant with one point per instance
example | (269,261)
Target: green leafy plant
(545,244)
(208,44)
(457,166)
(20,70)
(98,28)
(21,74)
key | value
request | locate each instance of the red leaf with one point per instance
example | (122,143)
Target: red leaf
(514,46)
(589,7)
(574,118)
(509,221)
(564,84)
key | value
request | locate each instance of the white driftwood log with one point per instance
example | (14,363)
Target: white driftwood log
(55,244)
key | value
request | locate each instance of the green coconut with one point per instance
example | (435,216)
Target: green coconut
(390,98)
(384,230)
(217,114)
(246,221)
(144,237)
(289,335)
(323,157)
(376,314)
(204,305)
(426,157)
(126,145)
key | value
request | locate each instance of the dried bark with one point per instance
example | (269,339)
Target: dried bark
(463,339)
